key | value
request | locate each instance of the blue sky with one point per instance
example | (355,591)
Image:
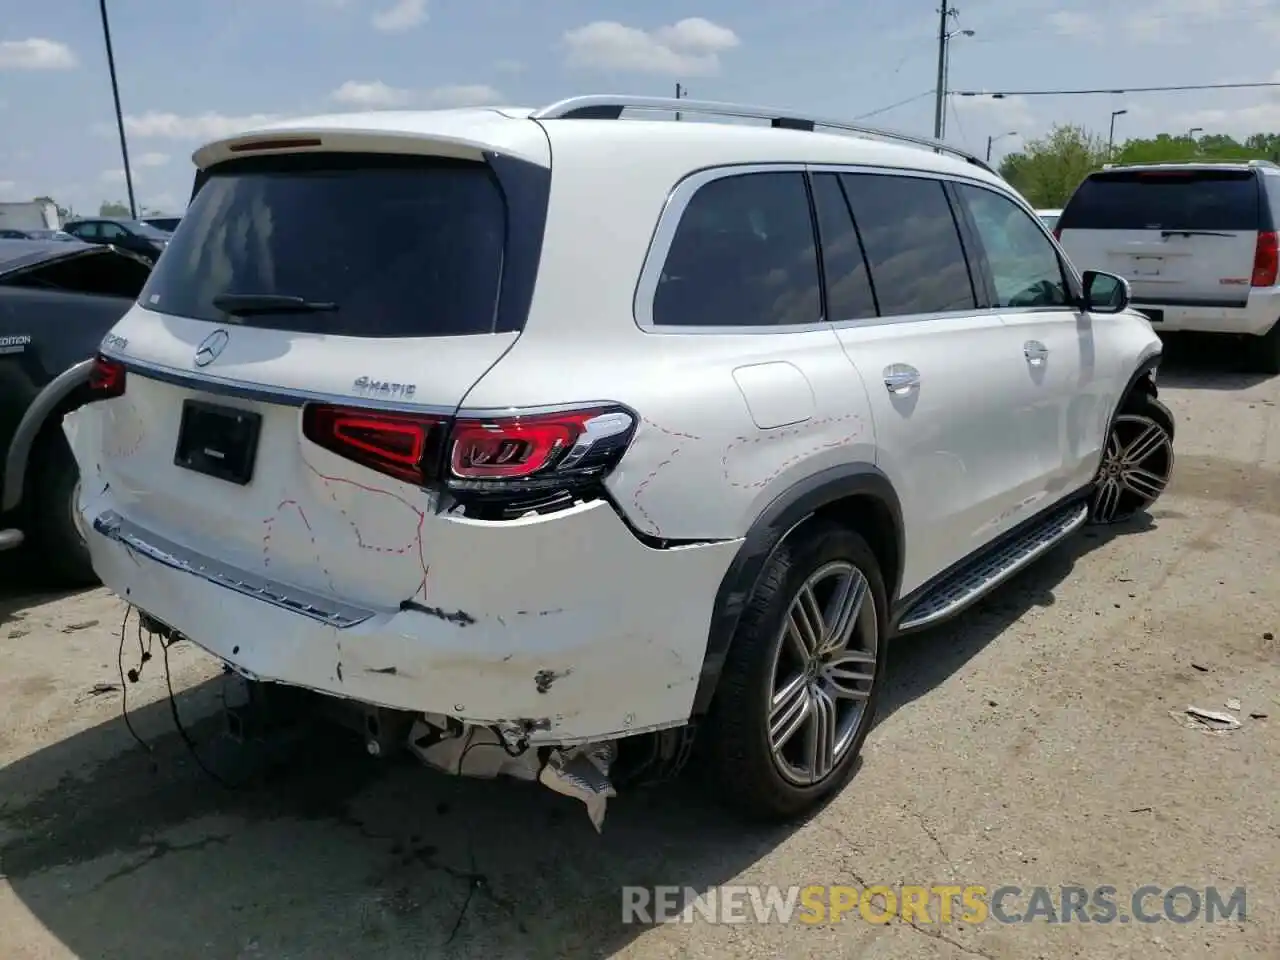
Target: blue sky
(194,70)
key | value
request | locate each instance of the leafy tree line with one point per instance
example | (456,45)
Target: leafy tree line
(108,208)
(1046,171)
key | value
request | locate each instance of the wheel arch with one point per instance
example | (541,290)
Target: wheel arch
(64,393)
(858,495)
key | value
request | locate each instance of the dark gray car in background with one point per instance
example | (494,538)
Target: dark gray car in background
(57,300)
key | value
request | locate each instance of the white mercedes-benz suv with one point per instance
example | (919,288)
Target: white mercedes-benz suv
(540,441)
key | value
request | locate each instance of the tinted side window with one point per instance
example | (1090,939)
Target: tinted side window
(403,246)
(743,254)
(912,244)
(112,231)
(1165,199)
(1024,264)
(849,293)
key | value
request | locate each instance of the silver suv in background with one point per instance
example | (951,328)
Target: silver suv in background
(1196,241)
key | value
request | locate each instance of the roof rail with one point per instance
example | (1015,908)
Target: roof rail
(610,107)
(1200,161)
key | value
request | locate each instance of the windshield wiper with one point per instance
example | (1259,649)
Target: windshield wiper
(1193,233)
(249,304)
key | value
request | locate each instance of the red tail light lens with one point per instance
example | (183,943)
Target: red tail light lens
(106,378)
(1266,260)
(515,448)
(1057,233)
(405,446)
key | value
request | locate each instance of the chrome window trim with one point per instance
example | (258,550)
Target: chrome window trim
(678,201)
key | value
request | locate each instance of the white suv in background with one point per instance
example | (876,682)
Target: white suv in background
(1196,241)
(543,439)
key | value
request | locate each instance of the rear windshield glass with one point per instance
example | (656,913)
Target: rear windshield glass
(1165,200)
(391,246)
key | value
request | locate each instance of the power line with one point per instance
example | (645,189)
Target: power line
(1105,90)
(894,106)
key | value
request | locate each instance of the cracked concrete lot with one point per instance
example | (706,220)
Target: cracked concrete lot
(1030,742)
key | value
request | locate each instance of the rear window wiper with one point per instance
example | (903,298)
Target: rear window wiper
(249,304)
(1193,233)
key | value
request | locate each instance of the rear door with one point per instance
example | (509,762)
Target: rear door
(1184,236)
(944,376)
(380,285)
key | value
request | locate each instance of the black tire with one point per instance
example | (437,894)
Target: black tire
(740,758)
(1264,351)
(1138,408)
(58,547)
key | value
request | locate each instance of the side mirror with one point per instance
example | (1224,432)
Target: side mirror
(1105,292)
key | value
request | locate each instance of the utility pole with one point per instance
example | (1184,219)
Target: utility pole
(680,92)
(940,95)
(115,93)
(1111,135)
(994,139)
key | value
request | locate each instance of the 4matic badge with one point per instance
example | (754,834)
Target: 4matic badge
(371,387)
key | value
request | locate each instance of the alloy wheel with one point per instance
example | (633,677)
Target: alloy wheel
(823,672)
(1136,467)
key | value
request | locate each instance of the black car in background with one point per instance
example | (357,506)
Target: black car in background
(136,236)
(57,300)
(167,224)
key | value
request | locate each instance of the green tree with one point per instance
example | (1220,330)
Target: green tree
(1046,171)
(113,208)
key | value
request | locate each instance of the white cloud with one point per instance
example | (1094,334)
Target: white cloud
(1005,113)
(400,16)
(374,94)
(463,95)
(35,53)
(691,47)
(509,66)
(202,126)
(371,93)
(153,159)
(8,186)
(112,176)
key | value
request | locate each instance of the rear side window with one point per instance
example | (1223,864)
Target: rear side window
(912,244)
(743,254)
(399,246)
(1165,200)
(849,292)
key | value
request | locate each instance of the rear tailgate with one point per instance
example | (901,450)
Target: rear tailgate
(1184,236)
(401,271)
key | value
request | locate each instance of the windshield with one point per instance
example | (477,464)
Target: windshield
(394,246)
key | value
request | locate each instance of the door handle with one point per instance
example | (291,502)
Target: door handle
(900,379)
(1035,352)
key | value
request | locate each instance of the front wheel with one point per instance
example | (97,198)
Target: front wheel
(798,693)
(1137,462)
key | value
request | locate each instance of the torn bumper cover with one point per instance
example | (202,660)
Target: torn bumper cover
(531,630)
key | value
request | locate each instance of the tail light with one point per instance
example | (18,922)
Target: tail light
(1057,233)
(1266,259)
(404,446)
(525,458)
(106,378)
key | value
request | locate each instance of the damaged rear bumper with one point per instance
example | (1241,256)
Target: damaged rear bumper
(528,628)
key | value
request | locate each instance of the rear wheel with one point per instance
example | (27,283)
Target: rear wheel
(54,523)
(1264,351)
(798,693)
(1137,462)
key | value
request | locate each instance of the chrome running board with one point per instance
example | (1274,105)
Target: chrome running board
(970,583)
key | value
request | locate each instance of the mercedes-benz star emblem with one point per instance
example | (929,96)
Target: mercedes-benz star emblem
(211,347)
